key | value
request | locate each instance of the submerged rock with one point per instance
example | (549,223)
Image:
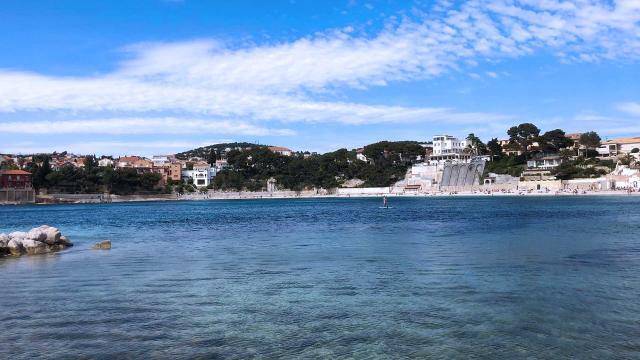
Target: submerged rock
(41,240)
(103,245)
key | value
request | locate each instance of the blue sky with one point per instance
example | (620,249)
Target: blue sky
(161,76)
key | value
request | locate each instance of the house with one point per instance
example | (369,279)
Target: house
(171,171)
(15,179)
(221,163)
(200,177)
(126,161)
(544,163)
(160,160)
(360,155)
(141,164)
(201,174)
(104,162)
(619,146)
(281,150)
(447,147)
(575,137)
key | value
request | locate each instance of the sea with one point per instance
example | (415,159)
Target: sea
(428,278)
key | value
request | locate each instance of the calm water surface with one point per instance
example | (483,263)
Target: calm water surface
(497,278)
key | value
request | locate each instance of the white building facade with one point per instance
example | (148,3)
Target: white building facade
(447,147)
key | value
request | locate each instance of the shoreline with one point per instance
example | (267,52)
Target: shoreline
(213,196)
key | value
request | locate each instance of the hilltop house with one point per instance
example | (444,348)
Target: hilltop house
(616,147)
(281,150)
(105,162)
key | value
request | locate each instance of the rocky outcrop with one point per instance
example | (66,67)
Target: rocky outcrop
(103,245)
(41,240)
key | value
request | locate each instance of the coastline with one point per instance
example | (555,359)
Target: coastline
(280,195)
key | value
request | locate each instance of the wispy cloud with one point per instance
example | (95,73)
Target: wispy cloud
(288,81)
(113,126)
(631,108)
(110,147)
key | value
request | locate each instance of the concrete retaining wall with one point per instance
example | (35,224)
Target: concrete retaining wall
(17,196)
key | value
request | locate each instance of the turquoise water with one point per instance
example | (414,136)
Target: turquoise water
(439,278)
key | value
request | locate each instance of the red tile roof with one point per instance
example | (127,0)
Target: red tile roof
(14,172)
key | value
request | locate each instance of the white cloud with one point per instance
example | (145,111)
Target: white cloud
(283,81)
(109,147)
(630,108)
(139,126)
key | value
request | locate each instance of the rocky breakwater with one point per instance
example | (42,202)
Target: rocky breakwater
(41,240)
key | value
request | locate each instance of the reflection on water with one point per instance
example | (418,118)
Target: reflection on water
(431,278)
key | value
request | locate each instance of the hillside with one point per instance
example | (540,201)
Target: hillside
(387,163)
(203,152)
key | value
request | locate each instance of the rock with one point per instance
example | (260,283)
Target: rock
(4,240)
(52,234)
(33,247)
(18,235)
(103,245)
(41,240)
(64,241)
(15,247)
(4,244)
(36,234)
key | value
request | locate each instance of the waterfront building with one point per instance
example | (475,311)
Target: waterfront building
(201,174)
(15,179)
(447,147)
(170,171)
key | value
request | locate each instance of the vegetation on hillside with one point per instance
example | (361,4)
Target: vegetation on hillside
(250,170)
(217,150)
(91,178)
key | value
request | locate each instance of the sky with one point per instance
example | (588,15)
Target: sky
(162,76)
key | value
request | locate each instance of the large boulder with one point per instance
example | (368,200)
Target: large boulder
(64,241)
(4,244)
(103,245)
(40,240)
(52,235)
(33,247)
(37,235)
(15,247)
(19,235)
(4,240)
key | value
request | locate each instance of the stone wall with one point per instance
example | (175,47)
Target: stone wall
(17,196)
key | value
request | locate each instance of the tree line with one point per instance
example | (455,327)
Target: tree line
(91,178)
(387,162)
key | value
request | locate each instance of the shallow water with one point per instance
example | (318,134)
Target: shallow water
(441,278)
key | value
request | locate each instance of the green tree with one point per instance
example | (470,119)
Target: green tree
(212,157)
(554,140)
(495,149)
(476,145)
(590,141)
(40,173)
(522,136)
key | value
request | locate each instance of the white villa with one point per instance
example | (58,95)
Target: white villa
(544,163)
(201,175)
(619,146)
(447,147)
